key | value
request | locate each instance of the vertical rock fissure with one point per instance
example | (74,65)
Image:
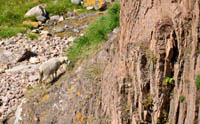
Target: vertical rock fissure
(177,114)
(170,40)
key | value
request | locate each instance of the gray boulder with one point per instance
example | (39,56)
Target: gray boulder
(90,8)
(75,1)
(23,68)
(116,30)
(55,17)
(41,18)
(75,30)
(36,11)
(35,31)
(15,56)
(7,57)
(34,60)
(59,29)
(71,14)
(46,33)
(61,19)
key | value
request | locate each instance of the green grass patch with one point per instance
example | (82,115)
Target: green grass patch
(32,36)
(61,7)
(96,34)
(83,10)
(11,31)
(168,80)
(182,98)
(31,18)
(7,31)
(13,11)
(148,101)
(198,81)
(27,26)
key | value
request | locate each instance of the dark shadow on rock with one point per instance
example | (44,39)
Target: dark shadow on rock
(104,7)
(26,55)
(56,79)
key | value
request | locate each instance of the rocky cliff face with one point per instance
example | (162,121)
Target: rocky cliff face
(148,77)
(159,41)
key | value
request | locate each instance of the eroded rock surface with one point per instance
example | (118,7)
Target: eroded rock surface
(148,78)
(77,97)
(144,75)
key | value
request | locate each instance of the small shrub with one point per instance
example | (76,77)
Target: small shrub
(147,102)
(154,59)
(126,107)
(188,26)
(182,98)
(198,81)
(168,80)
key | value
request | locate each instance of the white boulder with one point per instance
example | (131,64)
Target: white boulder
(76,1)
(34,60)
(36,11)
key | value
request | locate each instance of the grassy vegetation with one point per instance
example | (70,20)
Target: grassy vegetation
(32,18)
(182,98)
(148,101)
(96,33)
(168,80)
(61,7)
(32,36)
(11,31)
(13,11)
(198,81)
